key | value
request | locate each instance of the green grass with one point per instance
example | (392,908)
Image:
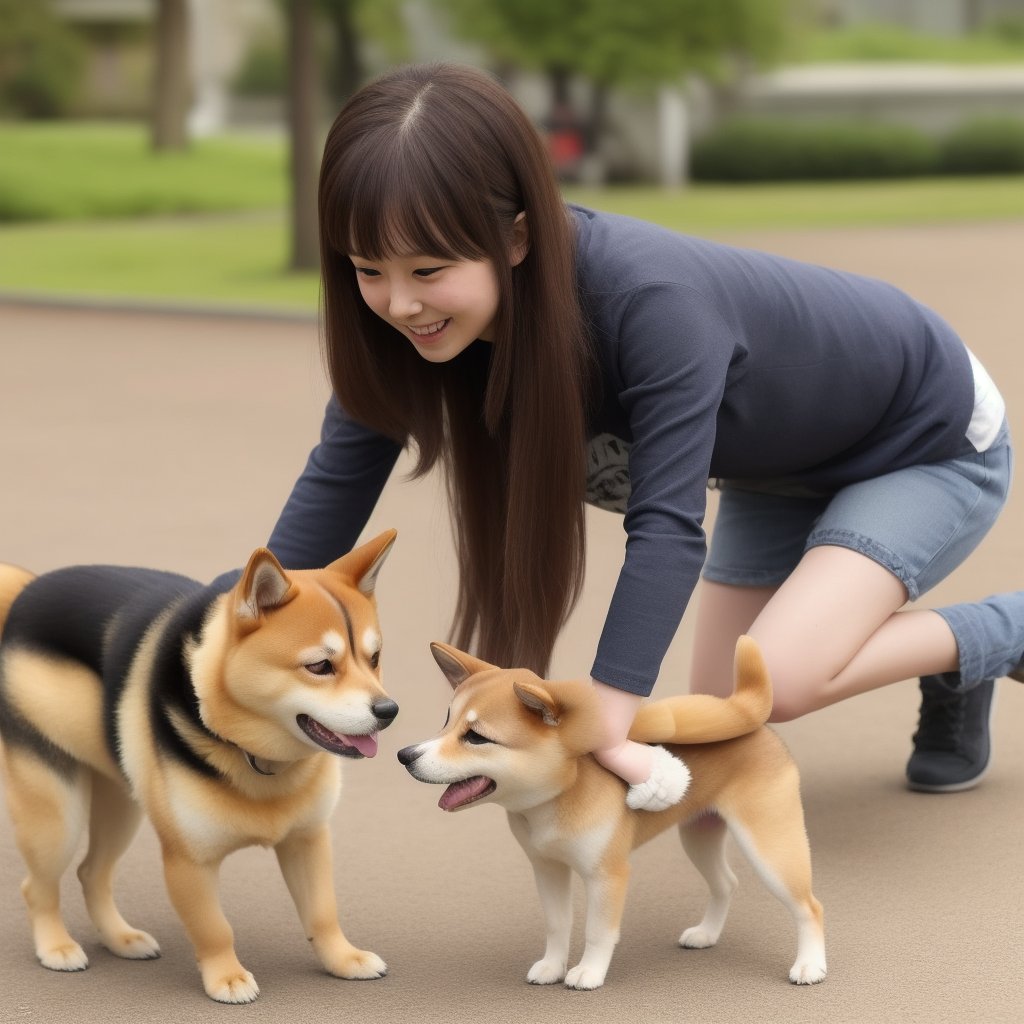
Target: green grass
(73,170)
(196,261)
(713,208)
(240,260)
(893,43)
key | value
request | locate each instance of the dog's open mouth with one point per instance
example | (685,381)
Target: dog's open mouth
(459,794)
(336,743)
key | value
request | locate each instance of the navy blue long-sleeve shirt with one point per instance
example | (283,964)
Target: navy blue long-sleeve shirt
(715,362)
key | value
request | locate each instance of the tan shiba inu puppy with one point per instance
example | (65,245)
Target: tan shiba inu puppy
(521,742)
(217,713)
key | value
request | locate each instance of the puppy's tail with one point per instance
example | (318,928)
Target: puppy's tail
(12,582)
(701,718)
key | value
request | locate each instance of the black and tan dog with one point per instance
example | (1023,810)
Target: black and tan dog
(217,713)
(521,742)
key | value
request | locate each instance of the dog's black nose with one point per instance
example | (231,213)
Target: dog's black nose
(408,754)
(384,711)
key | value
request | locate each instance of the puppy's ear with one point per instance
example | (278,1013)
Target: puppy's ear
(572,706)
(362,564)
(539,701)
(455,664)
(263,585)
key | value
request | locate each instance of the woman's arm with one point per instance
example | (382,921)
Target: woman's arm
(333,498)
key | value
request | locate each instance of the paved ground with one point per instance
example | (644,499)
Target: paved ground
(172,441)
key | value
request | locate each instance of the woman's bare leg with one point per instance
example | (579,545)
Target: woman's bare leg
(724,612)
(832,630)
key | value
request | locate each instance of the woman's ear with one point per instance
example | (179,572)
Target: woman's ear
(520,245)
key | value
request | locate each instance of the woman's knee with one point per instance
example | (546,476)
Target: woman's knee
(796,689)
(788,705)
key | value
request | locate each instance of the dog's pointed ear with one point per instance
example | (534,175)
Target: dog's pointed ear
(455,664)
(571,705)
(362,564)
(539,701)
(264,584)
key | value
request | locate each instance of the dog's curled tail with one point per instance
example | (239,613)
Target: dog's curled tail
(701,718)
(12,582)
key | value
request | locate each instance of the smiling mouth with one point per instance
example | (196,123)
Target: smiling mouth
(337,743)
(468,791)
(430,329)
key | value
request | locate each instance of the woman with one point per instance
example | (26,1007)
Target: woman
(545,355)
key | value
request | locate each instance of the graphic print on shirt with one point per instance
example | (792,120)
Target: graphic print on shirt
(608,485)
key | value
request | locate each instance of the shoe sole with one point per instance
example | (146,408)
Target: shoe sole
(959,787)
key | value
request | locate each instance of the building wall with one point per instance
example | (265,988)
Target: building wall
(942,17)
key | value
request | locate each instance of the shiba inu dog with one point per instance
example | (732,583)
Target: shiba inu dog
(519,741)
(217,713)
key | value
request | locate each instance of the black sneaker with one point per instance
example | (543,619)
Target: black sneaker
(951,745)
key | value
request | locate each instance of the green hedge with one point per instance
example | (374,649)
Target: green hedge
(764,150)
(985,146)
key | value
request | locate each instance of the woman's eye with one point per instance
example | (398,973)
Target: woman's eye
(320,668)
(472,736)
(367,272)
(427,271)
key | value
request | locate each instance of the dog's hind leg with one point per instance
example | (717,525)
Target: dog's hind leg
(48,810)
(114,820)
(704,842)
(771,834)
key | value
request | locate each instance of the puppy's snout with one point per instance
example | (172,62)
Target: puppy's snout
(384,710)
(407,755)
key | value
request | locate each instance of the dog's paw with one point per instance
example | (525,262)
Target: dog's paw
(359,964)
(546,972)
(584,978)
(68,956)
(236,987)
(133,945)
(807,972)
(697,937)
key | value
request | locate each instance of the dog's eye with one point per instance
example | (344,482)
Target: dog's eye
(472,736)
(375,659)
(320,668)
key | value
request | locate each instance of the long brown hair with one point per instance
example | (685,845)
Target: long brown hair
(439,160)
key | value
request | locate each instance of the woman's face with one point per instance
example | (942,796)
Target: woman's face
(440,305)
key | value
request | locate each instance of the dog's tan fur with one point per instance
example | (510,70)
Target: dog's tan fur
(569,814)
(247,670)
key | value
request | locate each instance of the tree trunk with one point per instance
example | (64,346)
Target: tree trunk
(302,89)
(347,73)
(171,80)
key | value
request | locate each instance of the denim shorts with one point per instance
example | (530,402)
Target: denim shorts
(920,523)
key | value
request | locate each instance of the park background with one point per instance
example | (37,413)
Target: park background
(161,383)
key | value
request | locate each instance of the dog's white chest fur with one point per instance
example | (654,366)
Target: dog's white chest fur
(542,831)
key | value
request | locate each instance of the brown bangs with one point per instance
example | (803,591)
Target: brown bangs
(393,198)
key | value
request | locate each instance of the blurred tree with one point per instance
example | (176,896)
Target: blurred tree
(302,124)
(642,42)
(345,74)
(41,60)
(171,87)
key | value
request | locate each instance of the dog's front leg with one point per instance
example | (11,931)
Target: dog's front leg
(193,891)
(305,859)
(606,897)
(554,886)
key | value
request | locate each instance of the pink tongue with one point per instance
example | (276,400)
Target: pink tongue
(366,745)
(459,793)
